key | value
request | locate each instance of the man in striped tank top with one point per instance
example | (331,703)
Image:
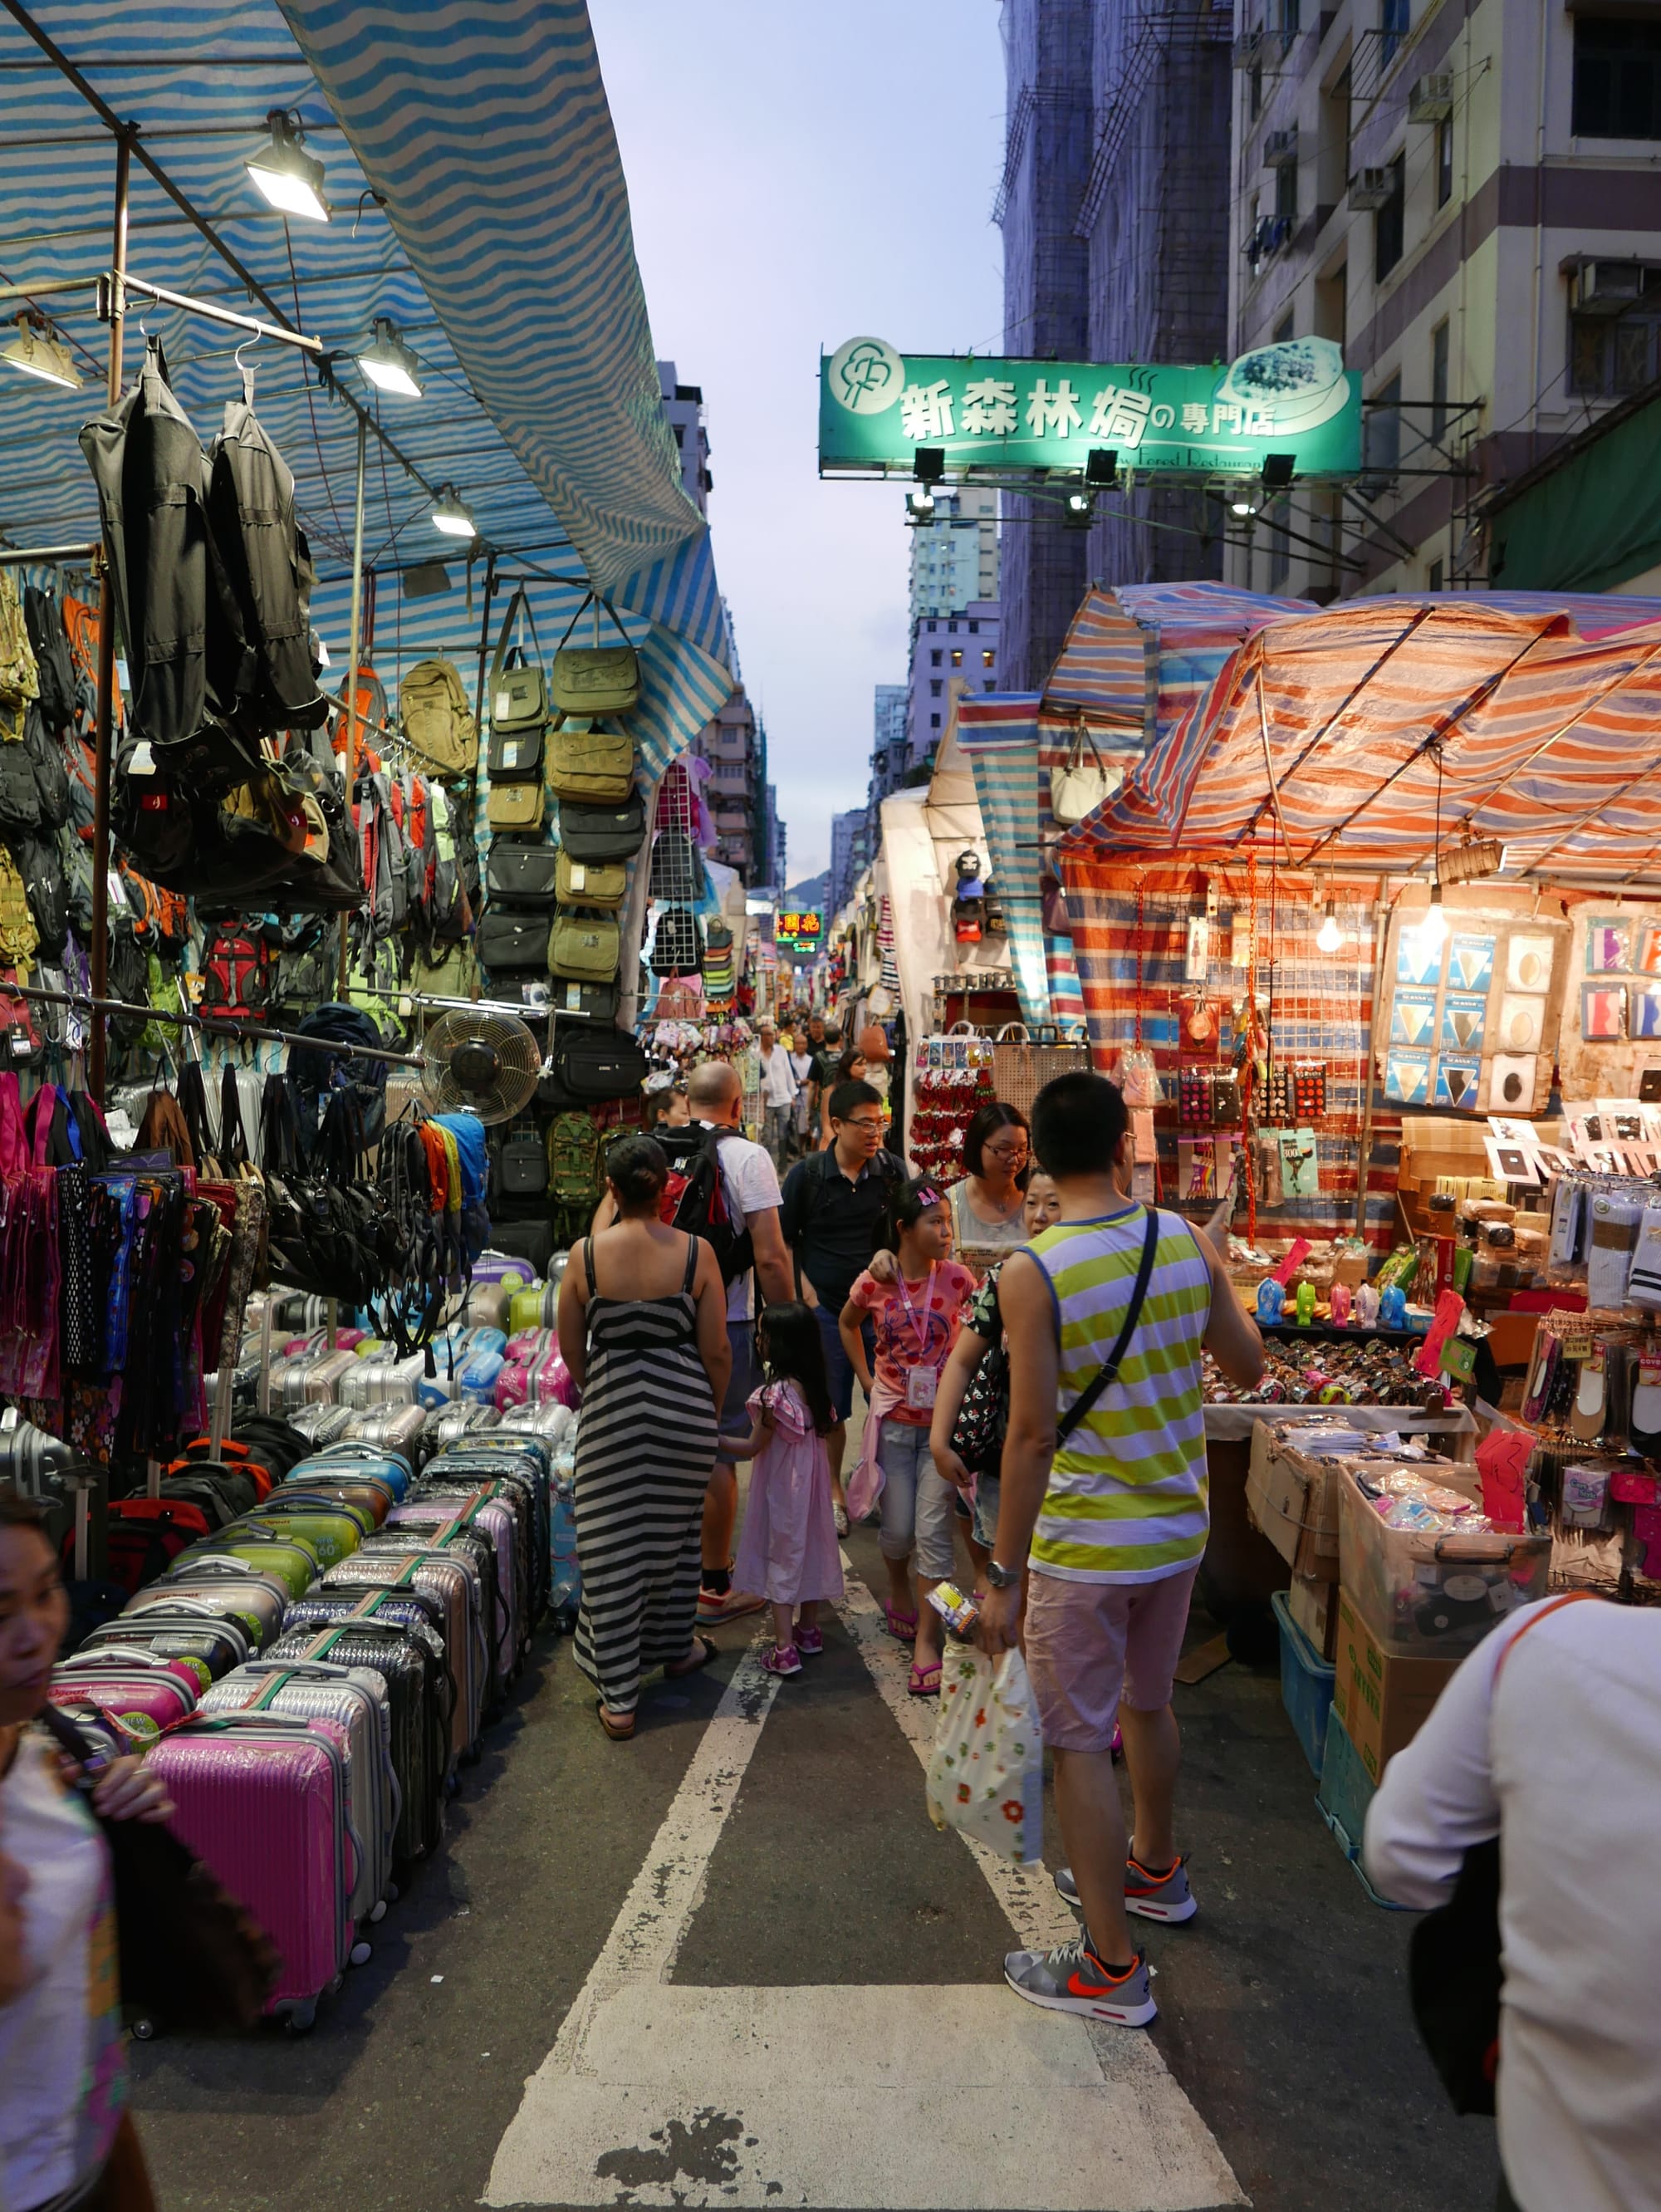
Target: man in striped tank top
(1102,1525)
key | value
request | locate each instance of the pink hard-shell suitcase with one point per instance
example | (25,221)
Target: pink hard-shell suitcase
(464,1508)
(131,1687)
(263,1799)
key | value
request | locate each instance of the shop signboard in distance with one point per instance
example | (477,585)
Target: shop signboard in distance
(798,929)
(1012,417)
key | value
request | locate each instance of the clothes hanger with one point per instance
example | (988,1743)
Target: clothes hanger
(246,374)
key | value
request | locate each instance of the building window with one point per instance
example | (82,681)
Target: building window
(1381,435)
(957,656)
(931,629)
(1438,384)
(987,657)
(989,685)
(935,688)
(1444,161)
(1393,20)
(951,629)
(1609,355)
(1286,191)
(934,721)
(934,658)
(1255,82)
(1435,576)
(974,630)
(1617,78)
(1389,222)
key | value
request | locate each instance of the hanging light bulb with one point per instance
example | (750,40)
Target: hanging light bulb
(449,516)
(39,351)
(388,363)
(289,177)
(1432,929)
(1329,936)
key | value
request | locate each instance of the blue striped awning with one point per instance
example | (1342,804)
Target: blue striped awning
(499,245)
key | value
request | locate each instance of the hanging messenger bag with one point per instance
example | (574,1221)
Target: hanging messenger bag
(596,679)
(584,947)
(590,764)
(518,703)
(591,882)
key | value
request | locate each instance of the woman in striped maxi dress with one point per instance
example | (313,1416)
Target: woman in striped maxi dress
(643,1329)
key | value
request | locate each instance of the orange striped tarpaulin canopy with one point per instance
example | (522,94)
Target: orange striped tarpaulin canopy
(1537,718)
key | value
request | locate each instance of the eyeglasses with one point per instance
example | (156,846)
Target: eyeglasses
(1017,1152)
(869,1125)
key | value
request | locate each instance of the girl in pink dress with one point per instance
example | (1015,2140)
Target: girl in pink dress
(789,1550)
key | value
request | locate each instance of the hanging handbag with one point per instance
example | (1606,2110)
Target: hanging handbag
(585,1002)
(1081,782)
(602,833)
(516,806)
(595,679)
(590,883)
(589,763)
(593,1066)
(518,703)
(586,948)
(507,940)
(522,875)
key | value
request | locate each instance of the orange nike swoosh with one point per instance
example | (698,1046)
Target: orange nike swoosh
(1078,1988)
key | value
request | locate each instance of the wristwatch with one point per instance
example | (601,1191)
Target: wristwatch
(1001,1578)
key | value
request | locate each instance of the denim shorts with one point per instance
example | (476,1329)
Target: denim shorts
(745,1377)
(917,1502)
(987,1489)
(839,1368)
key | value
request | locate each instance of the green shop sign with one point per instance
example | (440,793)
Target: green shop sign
(1022,417)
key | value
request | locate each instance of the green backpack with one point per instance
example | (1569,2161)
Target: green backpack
(575,1180)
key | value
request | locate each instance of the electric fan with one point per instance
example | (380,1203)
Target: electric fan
(477,1061)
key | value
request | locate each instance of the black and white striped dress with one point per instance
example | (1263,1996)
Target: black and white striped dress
(646,1449)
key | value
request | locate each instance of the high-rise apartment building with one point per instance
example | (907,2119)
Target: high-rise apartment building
(683,404)
(955,558)
(850,856)
(1464,198)
(951,653)
(734,742)
(1114,205)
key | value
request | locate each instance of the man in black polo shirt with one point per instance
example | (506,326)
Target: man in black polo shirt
(831,1216)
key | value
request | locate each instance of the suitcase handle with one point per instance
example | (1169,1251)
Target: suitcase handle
(110,1658)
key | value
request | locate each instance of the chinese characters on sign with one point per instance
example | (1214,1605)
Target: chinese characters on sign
(798,931)
(877,406)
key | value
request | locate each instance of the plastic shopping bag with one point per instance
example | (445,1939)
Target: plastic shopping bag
(986,1770)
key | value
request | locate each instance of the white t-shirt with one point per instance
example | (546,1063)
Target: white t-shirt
(1559,1754)
(62,2068)
(778,1077)
(752,1182)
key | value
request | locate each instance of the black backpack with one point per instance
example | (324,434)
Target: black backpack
(696,1198)
(19,794)
(44,619)
(130,982)
(589,1065)
(51,781)
(47,892)
(313,1075)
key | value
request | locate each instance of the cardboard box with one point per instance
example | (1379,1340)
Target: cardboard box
(1293,1499)
(1383,1701)
(1313,1602)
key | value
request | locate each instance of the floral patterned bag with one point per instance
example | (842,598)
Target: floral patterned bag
(986,1770)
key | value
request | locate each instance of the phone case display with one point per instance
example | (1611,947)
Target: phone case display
(1611,1030)
(1472,1017)
(952,1079)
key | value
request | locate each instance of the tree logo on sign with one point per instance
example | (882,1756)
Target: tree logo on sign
(866,376)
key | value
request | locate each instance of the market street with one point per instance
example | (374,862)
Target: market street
(772,1982)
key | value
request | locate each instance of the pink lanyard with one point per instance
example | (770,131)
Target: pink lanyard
(928,1314)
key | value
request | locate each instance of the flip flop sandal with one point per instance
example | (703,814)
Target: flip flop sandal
(704,1651)
(1586,1421)
(1645,1435)
(924,1681)
(902,1626)
(619,1729)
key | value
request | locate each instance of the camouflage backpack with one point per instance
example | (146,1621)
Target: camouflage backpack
(18,938)
(574,1177)
(19,682)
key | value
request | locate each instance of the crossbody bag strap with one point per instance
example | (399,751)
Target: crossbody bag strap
(596,601)
(517,603)
(1108,1374)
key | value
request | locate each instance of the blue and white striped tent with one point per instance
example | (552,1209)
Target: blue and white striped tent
(479,203)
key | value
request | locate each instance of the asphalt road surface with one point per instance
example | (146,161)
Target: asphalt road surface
(732,1963)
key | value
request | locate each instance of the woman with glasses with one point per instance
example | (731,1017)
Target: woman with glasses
(986,1206)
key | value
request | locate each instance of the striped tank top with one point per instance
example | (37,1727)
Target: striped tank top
(1127,1495)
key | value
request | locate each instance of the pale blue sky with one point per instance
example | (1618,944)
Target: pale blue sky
(798,176)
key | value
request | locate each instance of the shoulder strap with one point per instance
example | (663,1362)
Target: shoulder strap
(1536,1614)
(595,601)
(691,1264)
(1108,1374)
(517,602)
(588,1263)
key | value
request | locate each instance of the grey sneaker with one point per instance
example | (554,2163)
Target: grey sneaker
(1153,1896)
(1073,1979)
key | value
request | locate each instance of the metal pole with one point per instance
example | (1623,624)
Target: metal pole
(1363,1157)
(352,643)
(484,645)
(98,951)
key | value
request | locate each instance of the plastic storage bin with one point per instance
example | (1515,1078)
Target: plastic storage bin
(1306,1683)
(1433,1596)
(1345,1793)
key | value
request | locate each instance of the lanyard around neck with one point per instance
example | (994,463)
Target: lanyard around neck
(923,1333)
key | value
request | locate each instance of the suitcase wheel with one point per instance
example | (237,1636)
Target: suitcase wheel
(301,2018)
(378,1910)
(143,2030)
(360,1955)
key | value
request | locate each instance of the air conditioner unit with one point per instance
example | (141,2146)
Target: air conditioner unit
(1431,100)
(1248,49)
(1371,188)
(1605,288)
(1281,147)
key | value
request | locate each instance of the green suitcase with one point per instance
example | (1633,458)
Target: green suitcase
(331,1529)
(261,1552)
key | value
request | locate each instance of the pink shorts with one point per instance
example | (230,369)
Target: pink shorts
(1089,1644)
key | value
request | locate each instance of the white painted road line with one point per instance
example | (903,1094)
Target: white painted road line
(907,2098)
